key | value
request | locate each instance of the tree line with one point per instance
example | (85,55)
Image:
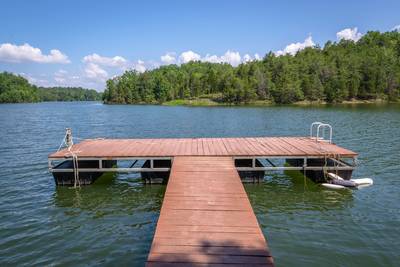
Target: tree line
(17,89)
(339,71)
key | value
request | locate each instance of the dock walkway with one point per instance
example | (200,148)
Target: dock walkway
(206,218)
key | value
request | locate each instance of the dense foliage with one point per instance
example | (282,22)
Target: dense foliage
(16,89)
(68,94)
(367,69)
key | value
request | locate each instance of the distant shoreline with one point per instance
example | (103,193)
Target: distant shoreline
(50,101)
(206,102)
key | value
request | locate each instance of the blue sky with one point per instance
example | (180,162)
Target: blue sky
(95,40)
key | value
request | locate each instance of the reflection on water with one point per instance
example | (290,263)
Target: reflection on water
(126,191)
(117,211)
(292,190)
(112,222)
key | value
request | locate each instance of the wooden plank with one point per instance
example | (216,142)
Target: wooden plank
(268,145)
(207,258)
(263,149)
(212,229)
(149,148)
(206,217)
(160,249)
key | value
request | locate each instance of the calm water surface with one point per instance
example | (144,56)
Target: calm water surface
(112,222)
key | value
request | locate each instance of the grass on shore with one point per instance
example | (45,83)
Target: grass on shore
(212,101)
(192,102)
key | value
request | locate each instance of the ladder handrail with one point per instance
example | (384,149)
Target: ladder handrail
(312,127)
(324,125)
(321,126)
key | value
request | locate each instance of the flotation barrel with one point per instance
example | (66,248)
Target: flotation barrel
(346,183)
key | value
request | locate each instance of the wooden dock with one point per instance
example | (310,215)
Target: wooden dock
(206,218)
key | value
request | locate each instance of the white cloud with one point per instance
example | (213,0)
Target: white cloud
(96,69)
(188,56)
(230,57)
(212,59)
(139,66)
(168,58)
(64,79)
(20,53)
(95,72)
(60,76)
(349,34)
(247,58)
(116,61)
(36,81)
(293,48)
(396,28)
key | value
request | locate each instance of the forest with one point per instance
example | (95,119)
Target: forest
(17,89)
(368,69)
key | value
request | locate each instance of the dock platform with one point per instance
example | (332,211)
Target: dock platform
(206,218)
(234,147)
(251,154)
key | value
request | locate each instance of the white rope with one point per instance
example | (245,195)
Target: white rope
(77,182)
(68,142)
(62,142)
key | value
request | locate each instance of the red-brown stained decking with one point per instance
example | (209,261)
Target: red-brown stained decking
(206,218)
(245,146)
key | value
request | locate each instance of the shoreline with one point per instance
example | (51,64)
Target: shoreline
(260,103)
(206,102)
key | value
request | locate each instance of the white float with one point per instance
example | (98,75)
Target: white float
(333,186)
(363,181)
(334,176)
(360,182)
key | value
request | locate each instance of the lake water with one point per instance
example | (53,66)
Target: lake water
(112,222)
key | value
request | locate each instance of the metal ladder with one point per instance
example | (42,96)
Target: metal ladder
(320,131)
